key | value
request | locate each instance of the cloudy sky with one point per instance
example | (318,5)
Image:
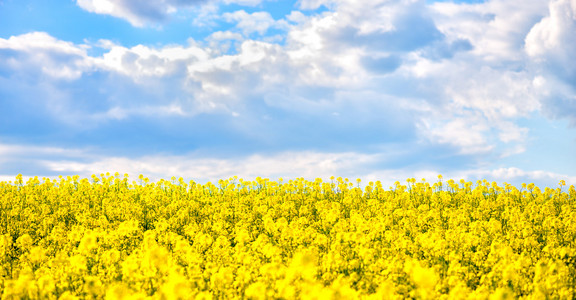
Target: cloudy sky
(207,89)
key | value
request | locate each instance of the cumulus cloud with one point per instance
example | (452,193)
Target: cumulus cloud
(390,26)
(495,29)
(57,84)
(312,4)
(128,84)
(327,61)
(224,41)
(532,43)
(552,37)
(470,85)
(557,96)
(244,2)
(469,137)
(138,13)
(37,53)
(33,68)
(141,61)
(258,22)
(551,44)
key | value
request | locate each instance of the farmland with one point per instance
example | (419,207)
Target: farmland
(113,238)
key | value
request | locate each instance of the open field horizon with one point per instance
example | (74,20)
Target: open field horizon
(388,184)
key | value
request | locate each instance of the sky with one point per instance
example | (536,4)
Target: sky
(209,89)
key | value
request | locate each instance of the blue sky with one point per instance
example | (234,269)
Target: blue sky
(208,89)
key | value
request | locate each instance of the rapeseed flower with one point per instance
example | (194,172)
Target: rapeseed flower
(297,239)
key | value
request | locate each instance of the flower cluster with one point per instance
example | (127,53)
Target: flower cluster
(109,238)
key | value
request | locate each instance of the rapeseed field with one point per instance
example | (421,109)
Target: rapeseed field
(107,237)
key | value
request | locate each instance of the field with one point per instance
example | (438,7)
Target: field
(109,237)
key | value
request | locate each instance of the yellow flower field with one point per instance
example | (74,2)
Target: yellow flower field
(107,237)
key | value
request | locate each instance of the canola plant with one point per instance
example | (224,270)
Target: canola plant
(108,238)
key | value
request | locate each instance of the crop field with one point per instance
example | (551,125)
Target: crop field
(108,237)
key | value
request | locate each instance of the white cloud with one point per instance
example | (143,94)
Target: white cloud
(553,36)
(510,132)
(8,151)
(312,4)
(286,164)
(258,22)
(41,53)
(551,45)
(320,61)
(143,61)
(52,161)
(481,83)
(464,133)
(158,111)
(495,28)
(477,112)
(225,35)
(224,41)
(138,13)
(50,74)
(244,2)
(296,16)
